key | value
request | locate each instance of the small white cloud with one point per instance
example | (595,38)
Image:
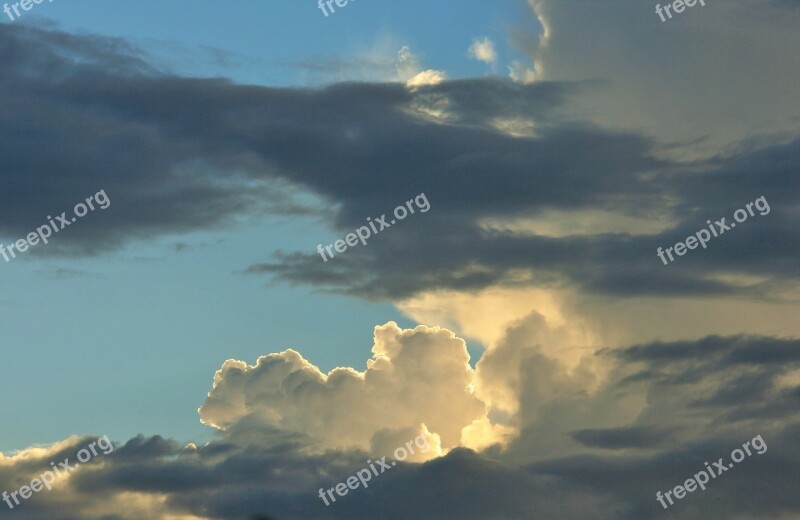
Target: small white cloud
(409,70)
(483,50)
(426,77)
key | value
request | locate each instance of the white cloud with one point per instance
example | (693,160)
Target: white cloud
(409,70)
(418,378)
(426,77)
(483,50)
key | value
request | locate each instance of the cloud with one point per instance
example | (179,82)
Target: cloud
(417,378)
(719,85)
(409,71)
(620,438)
(660,410)
(494,187)
(588,421)
(426,77)
(381,61)
(483,50)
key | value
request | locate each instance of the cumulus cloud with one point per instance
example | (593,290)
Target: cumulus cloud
(659,410)
(416,379)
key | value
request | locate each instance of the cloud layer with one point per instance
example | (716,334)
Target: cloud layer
(658,412)
(193,154)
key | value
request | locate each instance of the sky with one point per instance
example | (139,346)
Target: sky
(214,311)
(593,291)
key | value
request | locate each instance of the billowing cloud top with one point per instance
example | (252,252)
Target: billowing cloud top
(416,378)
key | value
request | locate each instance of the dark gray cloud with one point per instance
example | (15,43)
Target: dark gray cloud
(620,438)
(178,155)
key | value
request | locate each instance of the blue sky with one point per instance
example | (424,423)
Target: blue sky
(263,41)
